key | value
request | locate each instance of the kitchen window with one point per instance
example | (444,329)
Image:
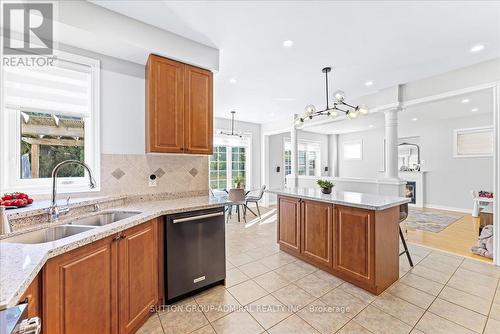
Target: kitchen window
(473,142)
(50,114)
(307,159)
(229,160)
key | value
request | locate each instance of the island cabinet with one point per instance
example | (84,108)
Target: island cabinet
(107,286)
(179,107)
(305,229)
(289,228)
(358,245)
(317,232)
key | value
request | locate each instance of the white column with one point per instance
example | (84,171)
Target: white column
(294,156)
(391,144)
(265,172)
(333,155)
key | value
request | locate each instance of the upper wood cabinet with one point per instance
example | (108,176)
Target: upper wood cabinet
(179,107)
(198,113)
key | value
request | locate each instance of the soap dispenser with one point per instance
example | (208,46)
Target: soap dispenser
(4,222)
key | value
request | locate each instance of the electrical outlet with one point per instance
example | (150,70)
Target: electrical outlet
(152,180)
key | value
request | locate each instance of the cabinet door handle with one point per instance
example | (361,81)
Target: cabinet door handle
(188,219)
(117,237)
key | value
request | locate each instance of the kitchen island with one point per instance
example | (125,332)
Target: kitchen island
(354,236)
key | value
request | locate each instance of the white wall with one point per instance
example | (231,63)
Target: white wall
(373,158)
(254,129)
(449,180)
(122,97)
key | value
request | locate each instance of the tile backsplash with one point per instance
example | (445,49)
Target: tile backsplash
(129,173)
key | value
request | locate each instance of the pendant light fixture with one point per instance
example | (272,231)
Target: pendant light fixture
(339,105)
(232,133)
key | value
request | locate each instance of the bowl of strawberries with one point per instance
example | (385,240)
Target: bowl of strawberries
(15,200)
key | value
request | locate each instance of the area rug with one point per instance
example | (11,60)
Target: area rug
(429,221)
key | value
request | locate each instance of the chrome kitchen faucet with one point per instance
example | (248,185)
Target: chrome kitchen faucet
(54,211)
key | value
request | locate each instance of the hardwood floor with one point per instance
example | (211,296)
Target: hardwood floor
(456,238)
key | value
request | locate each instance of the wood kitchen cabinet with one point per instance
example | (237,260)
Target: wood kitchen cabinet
(317,232)
(198,114)
(33,298)
(80,290)
(358,245)
(289,228)
(107,286)
(138,275)
(354,242)
(179,107)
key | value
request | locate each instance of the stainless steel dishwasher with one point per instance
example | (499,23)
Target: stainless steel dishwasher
(195,255)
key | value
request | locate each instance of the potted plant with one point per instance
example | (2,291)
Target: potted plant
(326,186)
(239,181)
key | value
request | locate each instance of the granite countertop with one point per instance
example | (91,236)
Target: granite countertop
(347,198)
(20,263)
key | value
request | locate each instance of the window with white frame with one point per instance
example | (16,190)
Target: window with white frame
(473,142)
(230,160)
(50,114)
(308,157)
(352,150)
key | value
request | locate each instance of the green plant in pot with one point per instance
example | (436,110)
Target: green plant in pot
(326,186)
(239,181)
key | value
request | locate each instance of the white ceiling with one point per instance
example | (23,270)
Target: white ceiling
(389,42)
(424,113)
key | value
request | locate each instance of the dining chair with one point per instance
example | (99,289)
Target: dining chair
(237,197)
(403,214)
(256,199)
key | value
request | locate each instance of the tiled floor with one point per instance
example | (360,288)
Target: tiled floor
(269,291)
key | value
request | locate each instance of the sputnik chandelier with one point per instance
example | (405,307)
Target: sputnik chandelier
(339,105)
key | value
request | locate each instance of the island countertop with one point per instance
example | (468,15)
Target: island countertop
(347,198)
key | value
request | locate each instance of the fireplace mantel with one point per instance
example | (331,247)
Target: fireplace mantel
(419,178)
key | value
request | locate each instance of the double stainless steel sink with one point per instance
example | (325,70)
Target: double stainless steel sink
(73,227)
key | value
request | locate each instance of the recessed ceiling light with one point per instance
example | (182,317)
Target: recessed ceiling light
(288,43)
(369,83)
(284,99)
(370,126)
(474,109)
(465,101)
(477,48)
(414,119)
(233,80)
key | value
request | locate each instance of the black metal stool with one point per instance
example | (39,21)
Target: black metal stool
(403,214)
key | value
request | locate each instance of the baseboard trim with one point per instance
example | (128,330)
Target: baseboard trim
(446,208)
